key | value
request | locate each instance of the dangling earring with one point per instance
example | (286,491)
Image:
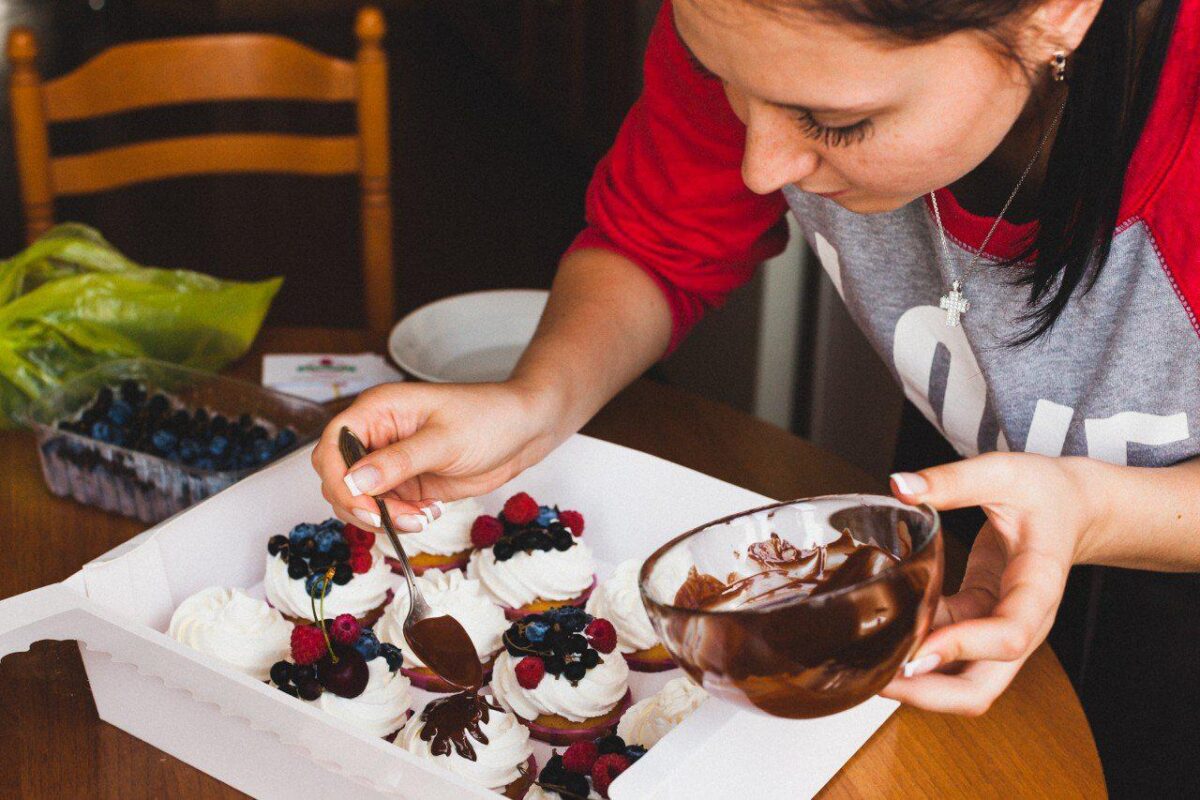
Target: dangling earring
(1058,66)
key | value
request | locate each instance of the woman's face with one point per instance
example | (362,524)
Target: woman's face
(835,111)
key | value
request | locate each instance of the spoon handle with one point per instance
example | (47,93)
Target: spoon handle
(352,452)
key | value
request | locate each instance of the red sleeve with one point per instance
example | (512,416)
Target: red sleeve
(669,194)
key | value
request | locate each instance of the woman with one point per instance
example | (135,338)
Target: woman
(999,189)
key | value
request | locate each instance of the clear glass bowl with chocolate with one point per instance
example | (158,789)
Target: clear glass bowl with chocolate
(798,609)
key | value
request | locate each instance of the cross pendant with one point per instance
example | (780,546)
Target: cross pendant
(954,304)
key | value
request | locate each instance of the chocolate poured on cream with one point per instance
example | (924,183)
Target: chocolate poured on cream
(454,721)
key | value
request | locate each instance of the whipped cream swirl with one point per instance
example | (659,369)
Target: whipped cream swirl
(497,763)
(619,601)
(380,710)
(448,534)
(454,595)
(601,688)
(649,720)
(361,594)
(538,793)
(244,633)
(539,575)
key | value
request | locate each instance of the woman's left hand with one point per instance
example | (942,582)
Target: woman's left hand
(1039,511)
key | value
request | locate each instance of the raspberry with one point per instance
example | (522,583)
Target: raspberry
(605,771)
(357,537)
(345,629)
(521,509)
(360,560)
(580,757)
(602,635)
(308,645)
(486,531)
(573,520)
(530,671)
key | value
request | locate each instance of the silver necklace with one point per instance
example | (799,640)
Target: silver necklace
(954,302)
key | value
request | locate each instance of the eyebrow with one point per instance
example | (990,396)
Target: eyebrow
(794,107)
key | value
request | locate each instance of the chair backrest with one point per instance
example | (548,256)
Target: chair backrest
(212,69)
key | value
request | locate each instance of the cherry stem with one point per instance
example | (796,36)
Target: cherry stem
(319,618)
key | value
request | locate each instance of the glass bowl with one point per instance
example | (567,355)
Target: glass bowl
(771,642)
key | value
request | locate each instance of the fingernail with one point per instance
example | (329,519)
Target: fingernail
(410,523)
(431,510)
(362,480)
(369,517)
(909,483)
(922,665)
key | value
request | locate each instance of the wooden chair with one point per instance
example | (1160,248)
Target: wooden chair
(212,69)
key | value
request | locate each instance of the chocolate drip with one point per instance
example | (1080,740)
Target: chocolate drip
(454,721)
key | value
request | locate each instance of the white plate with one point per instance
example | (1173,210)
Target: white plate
(468,338)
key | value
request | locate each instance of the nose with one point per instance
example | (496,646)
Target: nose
(777,153)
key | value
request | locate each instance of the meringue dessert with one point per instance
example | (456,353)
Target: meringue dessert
(327,570)
(531,558)
(649,720)
(585,770)
(561,675)
(474,738)
(238,630)
(619,600)
(445,543)
(452,594)
(347,673)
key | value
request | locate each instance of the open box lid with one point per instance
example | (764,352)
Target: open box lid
(120,603)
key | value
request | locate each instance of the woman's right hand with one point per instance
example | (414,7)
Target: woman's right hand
(430,443)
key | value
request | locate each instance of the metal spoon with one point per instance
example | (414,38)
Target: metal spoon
(441,642)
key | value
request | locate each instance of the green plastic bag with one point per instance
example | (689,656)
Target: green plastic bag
(71,301)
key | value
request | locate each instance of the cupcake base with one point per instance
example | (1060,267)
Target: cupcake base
(557,730)
(538,606)
(425,561)
(655,659)
(423,678)
(367,620)
(517,789)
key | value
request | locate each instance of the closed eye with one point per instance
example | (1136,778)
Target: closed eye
(832,136)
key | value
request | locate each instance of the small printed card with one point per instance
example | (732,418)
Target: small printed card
(324,377)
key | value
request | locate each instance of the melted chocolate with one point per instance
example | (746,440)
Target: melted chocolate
(454,721)
(444,646)
(784,641)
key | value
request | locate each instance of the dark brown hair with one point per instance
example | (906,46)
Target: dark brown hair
(1111,87)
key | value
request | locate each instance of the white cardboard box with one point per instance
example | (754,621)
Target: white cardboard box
(270,745)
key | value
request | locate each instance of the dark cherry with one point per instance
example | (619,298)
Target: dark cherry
(348,677)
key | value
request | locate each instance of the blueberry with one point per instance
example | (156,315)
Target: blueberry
(536,631)
(284,439)
(316,585)
(307,672)
(575,644)
(200,418)
(610,744)
(179,421)
(574,672)
(554,766)
(546,515)
(554,664)
(562,540)
(319,561)
(297,568)
(164,440)
(340,551)
(325,540)
(218,445)
(104,398)
(158,405)
(245,459)
(262,451)
(289,689)
(590,658)
(120,413)
(543,542)
(367,644)
(258,432)
(244,422)
(189,449)
(130,391)
(310,689)
(503,550)
(332,524)
(281,673)
(392,655)
(102,431)
(277,543)
(575,783)
(343,575)
(204,463)
(634,752)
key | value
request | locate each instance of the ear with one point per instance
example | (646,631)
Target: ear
(1062,24)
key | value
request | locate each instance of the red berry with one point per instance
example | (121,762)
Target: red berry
(345,629)
(580,757)
(308,644)
(357,537)
(486,531)
(605,771)
(521,509)
(530,671)
(360,560)
(573,520)
(602,635)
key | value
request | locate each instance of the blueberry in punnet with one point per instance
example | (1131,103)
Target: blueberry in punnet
(285,439)
(281,673)
(244,422)
(104,398)
(102,431)
(129,390)
(204,463)
(188,449)
(164,440)
(179,421)
(218,445)
(120,413)
(262,451)
(157,405)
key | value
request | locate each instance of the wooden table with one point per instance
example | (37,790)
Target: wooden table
(1034,742)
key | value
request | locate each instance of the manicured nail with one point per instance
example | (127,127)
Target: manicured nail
(362,480)
(922,665)
(410,523)
(369,517)
(431,510)
(909,483)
